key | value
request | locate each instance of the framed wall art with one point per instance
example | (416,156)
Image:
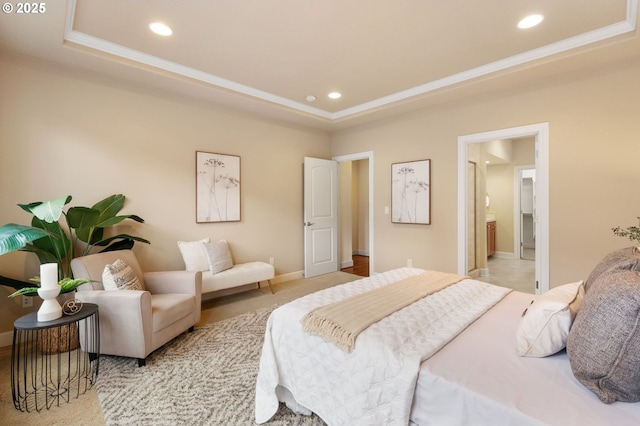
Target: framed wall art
(411,192)
(217,187)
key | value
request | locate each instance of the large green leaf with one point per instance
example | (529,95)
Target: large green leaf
(58,244)
(10,282)
(44,256)
(109,207)
(117,219)
(49,211)
(82,217)
(119,245)
(55,243)
(107,240)
(14,237)
(83,220)
(27,207)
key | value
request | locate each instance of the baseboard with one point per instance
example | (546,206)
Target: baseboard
(360,252)
(347,264)
(288,277)
(506,255)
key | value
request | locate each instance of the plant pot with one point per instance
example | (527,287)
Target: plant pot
(63,339)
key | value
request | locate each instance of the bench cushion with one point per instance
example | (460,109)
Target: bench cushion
(240,274)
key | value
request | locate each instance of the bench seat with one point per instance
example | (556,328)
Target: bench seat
(241,274)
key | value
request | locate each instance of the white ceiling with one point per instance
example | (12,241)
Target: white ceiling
(384,56)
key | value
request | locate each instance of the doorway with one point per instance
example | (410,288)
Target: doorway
(356,212)
(539,132)
(525,229)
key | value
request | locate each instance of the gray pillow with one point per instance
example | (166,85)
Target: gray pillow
(604,341)
(626,258)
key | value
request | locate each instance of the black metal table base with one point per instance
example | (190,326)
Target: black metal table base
(56,360)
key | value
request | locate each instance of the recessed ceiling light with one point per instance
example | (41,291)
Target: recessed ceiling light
(310,98)
(160,29)
(335,95)
(530,21)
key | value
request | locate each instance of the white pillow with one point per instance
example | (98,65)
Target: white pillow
(194,255)
(544,327)
(120,276)
(219,256)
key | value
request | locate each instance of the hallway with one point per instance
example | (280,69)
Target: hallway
(518,274)
(360,266)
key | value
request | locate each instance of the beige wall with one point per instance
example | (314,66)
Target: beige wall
(64,133)
(593,167)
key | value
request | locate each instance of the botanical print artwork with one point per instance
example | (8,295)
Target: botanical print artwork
(217,187)
(411,192)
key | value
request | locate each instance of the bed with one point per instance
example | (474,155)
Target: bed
(405,369)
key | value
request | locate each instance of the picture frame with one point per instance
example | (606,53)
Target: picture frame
(217,187)
(411,192)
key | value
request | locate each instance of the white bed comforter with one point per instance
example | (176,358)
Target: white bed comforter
(374,384)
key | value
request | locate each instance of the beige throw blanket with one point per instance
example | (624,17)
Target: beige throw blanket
(341,322)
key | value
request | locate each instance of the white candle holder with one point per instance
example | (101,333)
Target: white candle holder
(50,308)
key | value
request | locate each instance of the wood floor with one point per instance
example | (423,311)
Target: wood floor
(360,266)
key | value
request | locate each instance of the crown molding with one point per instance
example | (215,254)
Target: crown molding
(626,26)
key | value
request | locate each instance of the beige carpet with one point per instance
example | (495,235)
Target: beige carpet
(86,410)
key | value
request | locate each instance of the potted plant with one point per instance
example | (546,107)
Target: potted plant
(631,232)
(67,285)
(53,243)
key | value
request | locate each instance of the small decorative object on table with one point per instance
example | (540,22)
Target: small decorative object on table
(71,307)
(54,293)
(49,290)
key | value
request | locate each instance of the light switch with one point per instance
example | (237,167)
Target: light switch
(386,209)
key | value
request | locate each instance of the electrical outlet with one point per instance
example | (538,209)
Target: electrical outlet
(272,261)
(27,301)
(409,263)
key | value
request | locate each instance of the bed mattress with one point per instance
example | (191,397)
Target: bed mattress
(478,379)
(475,379)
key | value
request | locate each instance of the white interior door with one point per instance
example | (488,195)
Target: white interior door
(321,195)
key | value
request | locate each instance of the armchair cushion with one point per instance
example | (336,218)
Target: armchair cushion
(167,307)
(119,276)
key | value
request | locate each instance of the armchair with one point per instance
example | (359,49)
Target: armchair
(135,323)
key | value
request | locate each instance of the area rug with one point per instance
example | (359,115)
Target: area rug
(206,377)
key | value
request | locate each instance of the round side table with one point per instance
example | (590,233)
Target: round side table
(47,365)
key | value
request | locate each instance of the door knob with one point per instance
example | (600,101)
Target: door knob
(308,223)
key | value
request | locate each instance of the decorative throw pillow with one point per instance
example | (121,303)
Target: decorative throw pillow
(604,342)
(120,276)
(544,327)
(194,255)
(219,256)
(626,258)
